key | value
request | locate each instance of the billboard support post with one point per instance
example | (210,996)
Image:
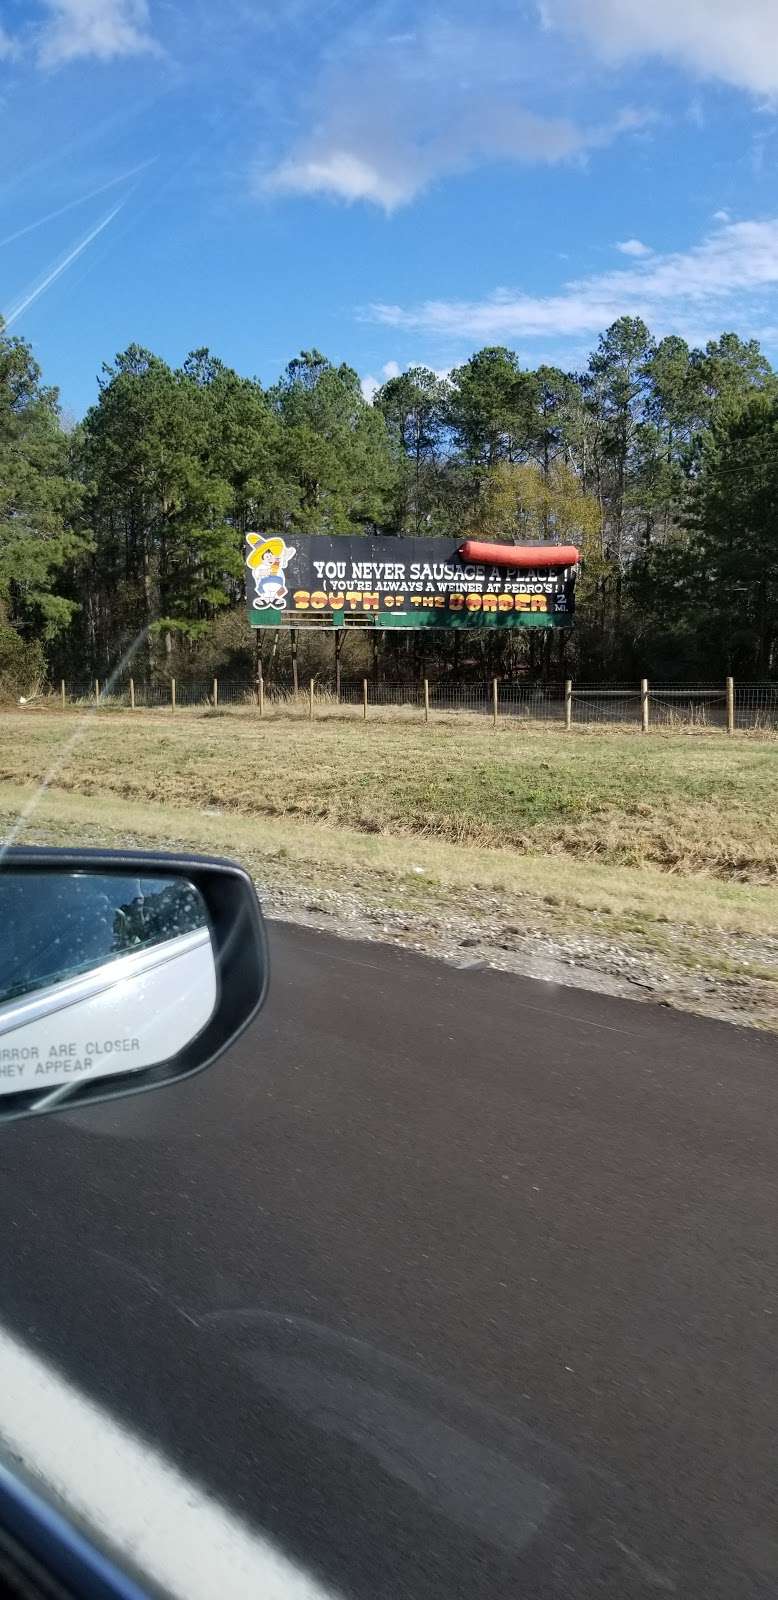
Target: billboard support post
(495,692)
(568,702)
(273,654)
(340,635)
(364,699)
(426,699)
(295,683)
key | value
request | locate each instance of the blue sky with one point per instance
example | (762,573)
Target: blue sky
(393,182)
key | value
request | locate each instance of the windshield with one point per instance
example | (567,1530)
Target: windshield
(388,503)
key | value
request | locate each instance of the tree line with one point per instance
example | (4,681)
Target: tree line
(659,460)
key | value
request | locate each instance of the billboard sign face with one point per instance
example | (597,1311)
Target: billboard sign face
(403,583)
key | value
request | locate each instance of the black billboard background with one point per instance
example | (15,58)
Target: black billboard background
(407,582)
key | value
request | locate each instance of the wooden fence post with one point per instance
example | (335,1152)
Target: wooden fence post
(494,701)
(62,692)
(97,691)
(364,699)
(730,706)
(260,689)
(215,693)
(644,705)
(568,702)
(426,699)
(310,699)
(132,694)
(172,694)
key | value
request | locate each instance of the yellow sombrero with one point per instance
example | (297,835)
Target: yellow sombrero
(263,547)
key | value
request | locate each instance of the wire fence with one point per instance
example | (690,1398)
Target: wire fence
(727,707)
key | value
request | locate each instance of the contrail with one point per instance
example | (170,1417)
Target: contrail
(82,201)
(61,267)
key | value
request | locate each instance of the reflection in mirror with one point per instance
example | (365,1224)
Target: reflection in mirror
(99,974)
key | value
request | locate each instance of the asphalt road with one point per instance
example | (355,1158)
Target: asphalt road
(455,1283)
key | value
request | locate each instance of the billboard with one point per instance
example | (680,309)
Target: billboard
(334,579)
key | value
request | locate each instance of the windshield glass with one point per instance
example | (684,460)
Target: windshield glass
(388,504)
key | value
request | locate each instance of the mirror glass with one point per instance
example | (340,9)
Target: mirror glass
(99,974)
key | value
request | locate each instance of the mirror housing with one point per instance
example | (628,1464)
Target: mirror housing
(200,917)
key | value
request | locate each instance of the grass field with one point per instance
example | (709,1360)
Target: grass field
(666,846)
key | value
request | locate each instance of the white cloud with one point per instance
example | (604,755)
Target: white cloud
(633,247)
(723,279)
(101,28)
(341,175)
(7,45)
(397,163)
(391,114)
(721,216)
(392,369)
(735,41)
(370,387)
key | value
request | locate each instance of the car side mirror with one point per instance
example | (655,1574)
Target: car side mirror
(120,971)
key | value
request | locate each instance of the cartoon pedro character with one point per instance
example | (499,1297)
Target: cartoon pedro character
(268,559)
